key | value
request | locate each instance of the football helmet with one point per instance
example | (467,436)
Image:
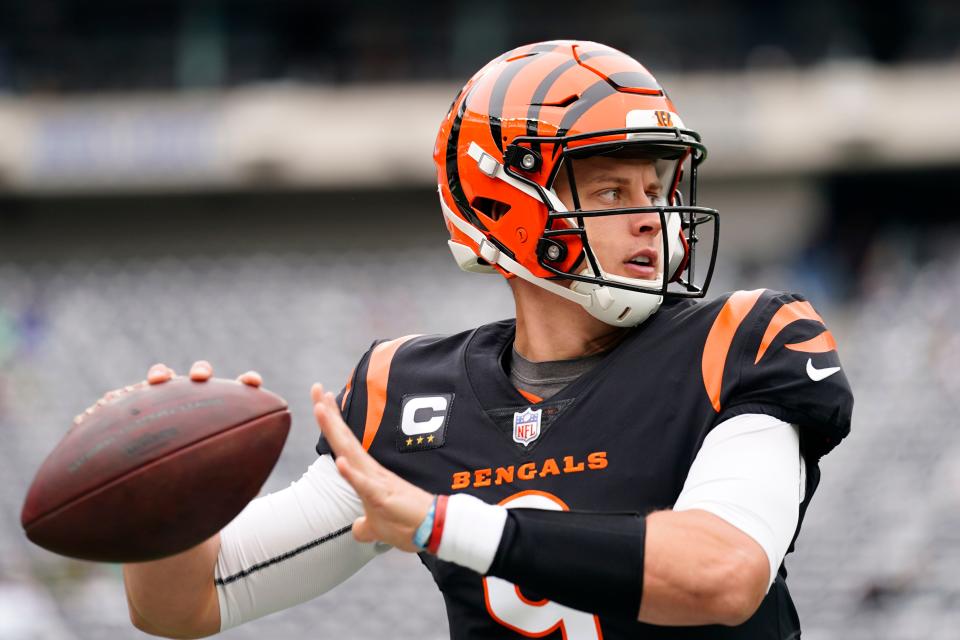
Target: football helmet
(532,113)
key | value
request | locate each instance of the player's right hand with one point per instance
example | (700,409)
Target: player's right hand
(201,371)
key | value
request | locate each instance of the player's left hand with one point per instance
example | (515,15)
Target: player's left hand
(393,508)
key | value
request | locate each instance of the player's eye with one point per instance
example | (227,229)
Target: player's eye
(608,195)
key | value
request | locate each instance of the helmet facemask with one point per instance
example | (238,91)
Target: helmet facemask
(616,298)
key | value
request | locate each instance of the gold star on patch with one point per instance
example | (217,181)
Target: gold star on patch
(430,439)
(419,439)
(409,441)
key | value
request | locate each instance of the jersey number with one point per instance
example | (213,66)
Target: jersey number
(534,619)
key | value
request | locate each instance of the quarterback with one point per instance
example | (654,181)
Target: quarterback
(621,460)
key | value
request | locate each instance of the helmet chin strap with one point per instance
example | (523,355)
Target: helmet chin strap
(619,307)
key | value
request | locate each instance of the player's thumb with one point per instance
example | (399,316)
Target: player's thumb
(362,531)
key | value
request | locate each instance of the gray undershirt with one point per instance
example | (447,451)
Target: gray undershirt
(546,379)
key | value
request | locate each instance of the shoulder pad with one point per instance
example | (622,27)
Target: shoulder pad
(364,397)
(771,352)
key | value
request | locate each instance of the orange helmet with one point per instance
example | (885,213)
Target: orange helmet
(523,118)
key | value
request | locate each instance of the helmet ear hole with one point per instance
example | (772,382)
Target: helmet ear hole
(493,209)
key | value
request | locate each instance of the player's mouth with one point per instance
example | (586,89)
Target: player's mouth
(642,265)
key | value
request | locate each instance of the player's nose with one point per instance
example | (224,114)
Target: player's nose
(644,223)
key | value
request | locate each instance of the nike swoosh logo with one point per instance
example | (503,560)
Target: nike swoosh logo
(819,374)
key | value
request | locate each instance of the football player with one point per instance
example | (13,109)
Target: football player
(621,460)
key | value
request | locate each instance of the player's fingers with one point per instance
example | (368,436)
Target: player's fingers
(365,484)
(201,371)
(316,392)
(339,437)
(362,531)
(251,378)
(335,430)
(354,450)
(159,373)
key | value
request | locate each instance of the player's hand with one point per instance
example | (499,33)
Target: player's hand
(393,508)
(201,371)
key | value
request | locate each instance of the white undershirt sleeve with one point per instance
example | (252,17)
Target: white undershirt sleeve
(749,472)
(290,546)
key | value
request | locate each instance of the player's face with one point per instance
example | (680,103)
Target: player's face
(626,245)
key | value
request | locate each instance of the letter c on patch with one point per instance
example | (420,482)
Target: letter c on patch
(423,414)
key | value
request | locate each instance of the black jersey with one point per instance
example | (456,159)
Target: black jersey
(441,413)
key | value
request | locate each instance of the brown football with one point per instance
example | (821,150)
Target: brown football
(156,471)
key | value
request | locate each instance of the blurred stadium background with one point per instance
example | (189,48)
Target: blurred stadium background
(250,182)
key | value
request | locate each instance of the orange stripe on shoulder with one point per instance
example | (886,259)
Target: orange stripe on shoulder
(821,344)
(532,397)
(378,372)
(787,314)
(721,337)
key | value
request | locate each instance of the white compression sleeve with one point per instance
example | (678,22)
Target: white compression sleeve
(750,473)
(290,546)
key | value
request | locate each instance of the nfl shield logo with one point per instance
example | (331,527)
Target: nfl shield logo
(526,426)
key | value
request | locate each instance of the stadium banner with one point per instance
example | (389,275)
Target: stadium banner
(757,124)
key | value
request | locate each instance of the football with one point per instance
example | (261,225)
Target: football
(155,471)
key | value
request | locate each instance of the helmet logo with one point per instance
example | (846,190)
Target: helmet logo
(663,118)
(654,118)
(526,426)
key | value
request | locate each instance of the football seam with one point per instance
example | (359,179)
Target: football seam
(109,483)
(243,573)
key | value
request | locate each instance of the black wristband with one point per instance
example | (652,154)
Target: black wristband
(589,561)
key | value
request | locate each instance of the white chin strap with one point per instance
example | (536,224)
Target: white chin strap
(612,305)
(623,308)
